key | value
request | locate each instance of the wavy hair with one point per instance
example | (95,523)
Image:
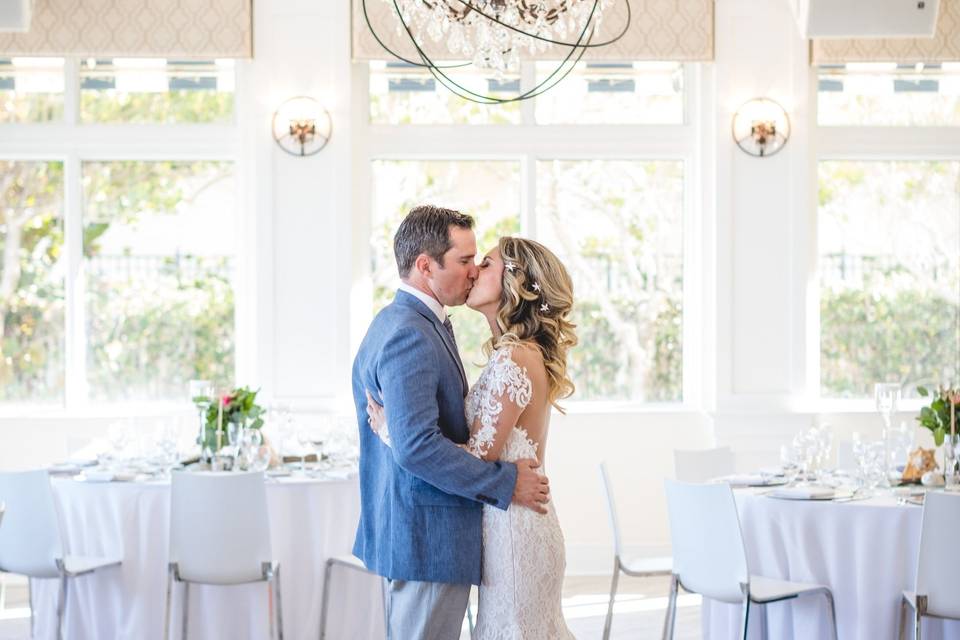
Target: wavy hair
(535,305)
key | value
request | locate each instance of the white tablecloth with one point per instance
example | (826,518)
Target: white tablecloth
(865,551)
(310,521)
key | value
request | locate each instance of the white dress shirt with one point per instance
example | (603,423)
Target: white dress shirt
(432,303)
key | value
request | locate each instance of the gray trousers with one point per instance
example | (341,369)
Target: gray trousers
(424,610)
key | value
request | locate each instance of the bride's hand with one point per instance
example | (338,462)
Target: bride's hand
(376,416)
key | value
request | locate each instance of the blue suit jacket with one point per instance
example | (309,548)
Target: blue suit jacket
(422,498)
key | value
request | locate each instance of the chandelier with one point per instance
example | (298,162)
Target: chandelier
(492,34)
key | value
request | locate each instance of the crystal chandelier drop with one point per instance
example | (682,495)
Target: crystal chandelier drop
(492,35)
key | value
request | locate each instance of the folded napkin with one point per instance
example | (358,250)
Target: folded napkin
(95,475)
(744,480)
(810,492)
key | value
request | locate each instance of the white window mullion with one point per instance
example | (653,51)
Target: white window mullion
(528,79)
(76,380)
(71,91)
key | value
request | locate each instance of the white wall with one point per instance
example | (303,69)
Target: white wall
(305,235)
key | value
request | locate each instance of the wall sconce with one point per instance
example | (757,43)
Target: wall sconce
(761,127)
(301,126)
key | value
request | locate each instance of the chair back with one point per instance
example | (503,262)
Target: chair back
(939,563)
(701,465)
(611,509)
(707,546)
(219,527)
(30,540)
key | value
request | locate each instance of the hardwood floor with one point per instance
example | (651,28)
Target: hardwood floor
(638,614)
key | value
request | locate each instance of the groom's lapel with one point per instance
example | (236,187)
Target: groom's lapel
(406,299)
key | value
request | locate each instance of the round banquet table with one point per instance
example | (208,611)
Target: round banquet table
(310,521)
(864,550)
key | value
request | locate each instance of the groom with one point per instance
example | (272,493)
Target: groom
(422,497)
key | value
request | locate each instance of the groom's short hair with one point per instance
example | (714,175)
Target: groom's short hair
(426,229)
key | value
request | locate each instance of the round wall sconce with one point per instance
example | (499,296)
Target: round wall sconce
(301,126)
(761,127)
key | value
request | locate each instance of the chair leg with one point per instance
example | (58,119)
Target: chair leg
(671,615)
(902,623)
(327,571)
(279,604)
(613,596)
(185,612)
(765,628)
(166,609)
(918,624)
(745,623)
(832,610)
(62,606)
(30,597)
(470,624)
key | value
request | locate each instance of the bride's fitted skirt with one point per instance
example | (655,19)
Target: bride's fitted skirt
(523,567)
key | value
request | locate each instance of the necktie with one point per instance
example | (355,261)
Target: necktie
(449,327)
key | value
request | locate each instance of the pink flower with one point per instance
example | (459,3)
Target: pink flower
(225,400)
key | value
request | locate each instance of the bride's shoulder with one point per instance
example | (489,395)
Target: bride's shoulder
(524,354)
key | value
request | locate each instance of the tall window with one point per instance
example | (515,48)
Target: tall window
(614,212)
(888,233)
(125,291)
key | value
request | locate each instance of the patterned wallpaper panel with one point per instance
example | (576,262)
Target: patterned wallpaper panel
(659,30)
(136,28)
(943,47)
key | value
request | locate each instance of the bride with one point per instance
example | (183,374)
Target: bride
(526,295)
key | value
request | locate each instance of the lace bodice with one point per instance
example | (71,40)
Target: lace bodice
(502,380)
(523,551)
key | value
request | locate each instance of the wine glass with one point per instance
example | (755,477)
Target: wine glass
(887,396)
(201,394)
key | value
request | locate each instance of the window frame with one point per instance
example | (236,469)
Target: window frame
(860,143)
(527,143)
(74,142)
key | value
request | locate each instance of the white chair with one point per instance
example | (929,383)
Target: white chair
(715,565)
(31,543)
(701,465)
(634,567)
(935,591)
(220,535)
(348,562)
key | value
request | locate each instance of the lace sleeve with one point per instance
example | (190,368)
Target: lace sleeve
(503,385)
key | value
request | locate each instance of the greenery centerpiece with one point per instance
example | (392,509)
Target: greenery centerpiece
(239,407)
(940,415)
(941,418)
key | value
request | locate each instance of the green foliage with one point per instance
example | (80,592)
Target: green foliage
(32,294)
(238,407)
(941,413)
(908,337)
(152,322)
(171,107)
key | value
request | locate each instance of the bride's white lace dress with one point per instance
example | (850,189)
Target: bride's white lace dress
(523,551)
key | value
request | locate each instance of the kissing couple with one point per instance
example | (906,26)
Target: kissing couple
(451,475)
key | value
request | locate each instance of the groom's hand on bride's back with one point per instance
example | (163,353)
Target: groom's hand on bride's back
(532,490)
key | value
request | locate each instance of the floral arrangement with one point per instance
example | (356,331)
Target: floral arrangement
(239,406)
(941,415)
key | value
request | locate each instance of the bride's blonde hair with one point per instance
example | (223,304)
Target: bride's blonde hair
(535,306)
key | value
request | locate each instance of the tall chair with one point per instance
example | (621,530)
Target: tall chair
(715,565)
(634,567)
(31,543)
(354,564)
(935,591)
(701,465)
(220,535)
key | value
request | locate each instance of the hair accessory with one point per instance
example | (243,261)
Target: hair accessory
(545,307)
(536,286)
(510,266)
